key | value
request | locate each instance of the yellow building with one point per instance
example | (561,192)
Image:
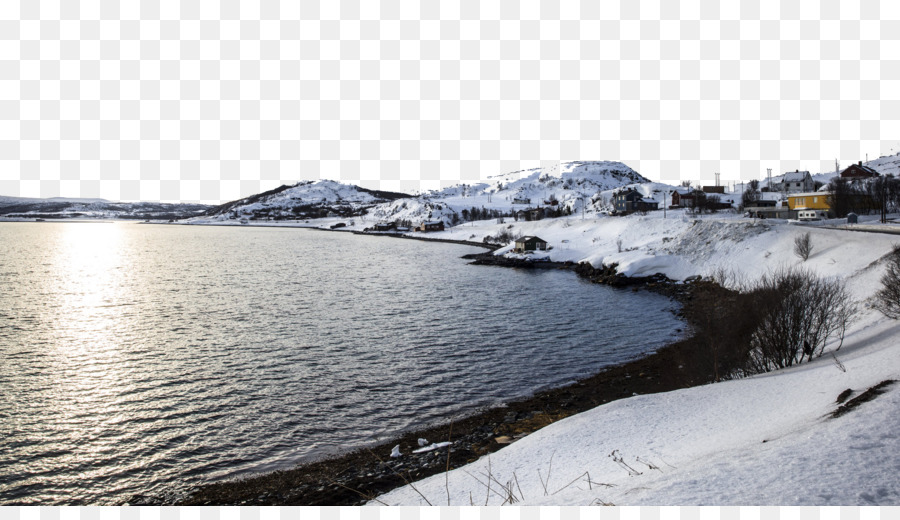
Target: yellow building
(816,200)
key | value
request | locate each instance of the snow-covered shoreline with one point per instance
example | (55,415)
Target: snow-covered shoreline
(759,440)
(748,441)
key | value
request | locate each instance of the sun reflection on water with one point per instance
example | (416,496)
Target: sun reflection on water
(89,269)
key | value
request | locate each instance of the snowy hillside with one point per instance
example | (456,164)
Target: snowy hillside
(565,188)
(308,199)
(767,440)
(887,165)
(58,207)
(568,183)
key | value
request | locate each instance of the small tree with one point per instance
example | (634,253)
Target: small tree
(751,195)
(800,313)
(803,246)
(887,299)
(700,203)
(839,196)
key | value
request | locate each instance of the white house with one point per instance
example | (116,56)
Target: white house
(795,182)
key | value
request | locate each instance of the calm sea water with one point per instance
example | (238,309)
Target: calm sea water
(135,359)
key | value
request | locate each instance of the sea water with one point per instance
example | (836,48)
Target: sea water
(136,358)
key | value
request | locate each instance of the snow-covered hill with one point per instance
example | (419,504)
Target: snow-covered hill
(304,200)
(565,188)
(886,165)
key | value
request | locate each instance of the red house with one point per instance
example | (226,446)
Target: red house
(682,199)
(858,171)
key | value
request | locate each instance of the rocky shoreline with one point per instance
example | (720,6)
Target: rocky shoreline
(358,477)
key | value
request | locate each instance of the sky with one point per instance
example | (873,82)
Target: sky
(209,102)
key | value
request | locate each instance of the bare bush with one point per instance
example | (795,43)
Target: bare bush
(799,314)
(887,299)
(803,246)
(504,236)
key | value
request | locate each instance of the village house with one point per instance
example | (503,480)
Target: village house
(530,214)
(629,201)
(858,171)
(713,189)
(521,201)
(435,225)
(384,226)
(530,243)
(795,182)
(682,198)
(810,206)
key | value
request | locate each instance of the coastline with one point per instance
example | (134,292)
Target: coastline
(359,476)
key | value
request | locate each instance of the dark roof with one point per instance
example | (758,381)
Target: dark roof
(531,238)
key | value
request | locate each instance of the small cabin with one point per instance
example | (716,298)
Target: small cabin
(384,226)
(434,225)
(682,199)
(521,201)
(530,243)
(648,205)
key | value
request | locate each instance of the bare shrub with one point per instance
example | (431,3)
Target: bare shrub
(803,246)
(887,299)
(504,236)
(799,313)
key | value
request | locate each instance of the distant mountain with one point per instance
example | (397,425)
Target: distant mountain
(22,207)
(563,189)
(304,200)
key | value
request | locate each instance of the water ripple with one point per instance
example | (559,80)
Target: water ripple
(143,358)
